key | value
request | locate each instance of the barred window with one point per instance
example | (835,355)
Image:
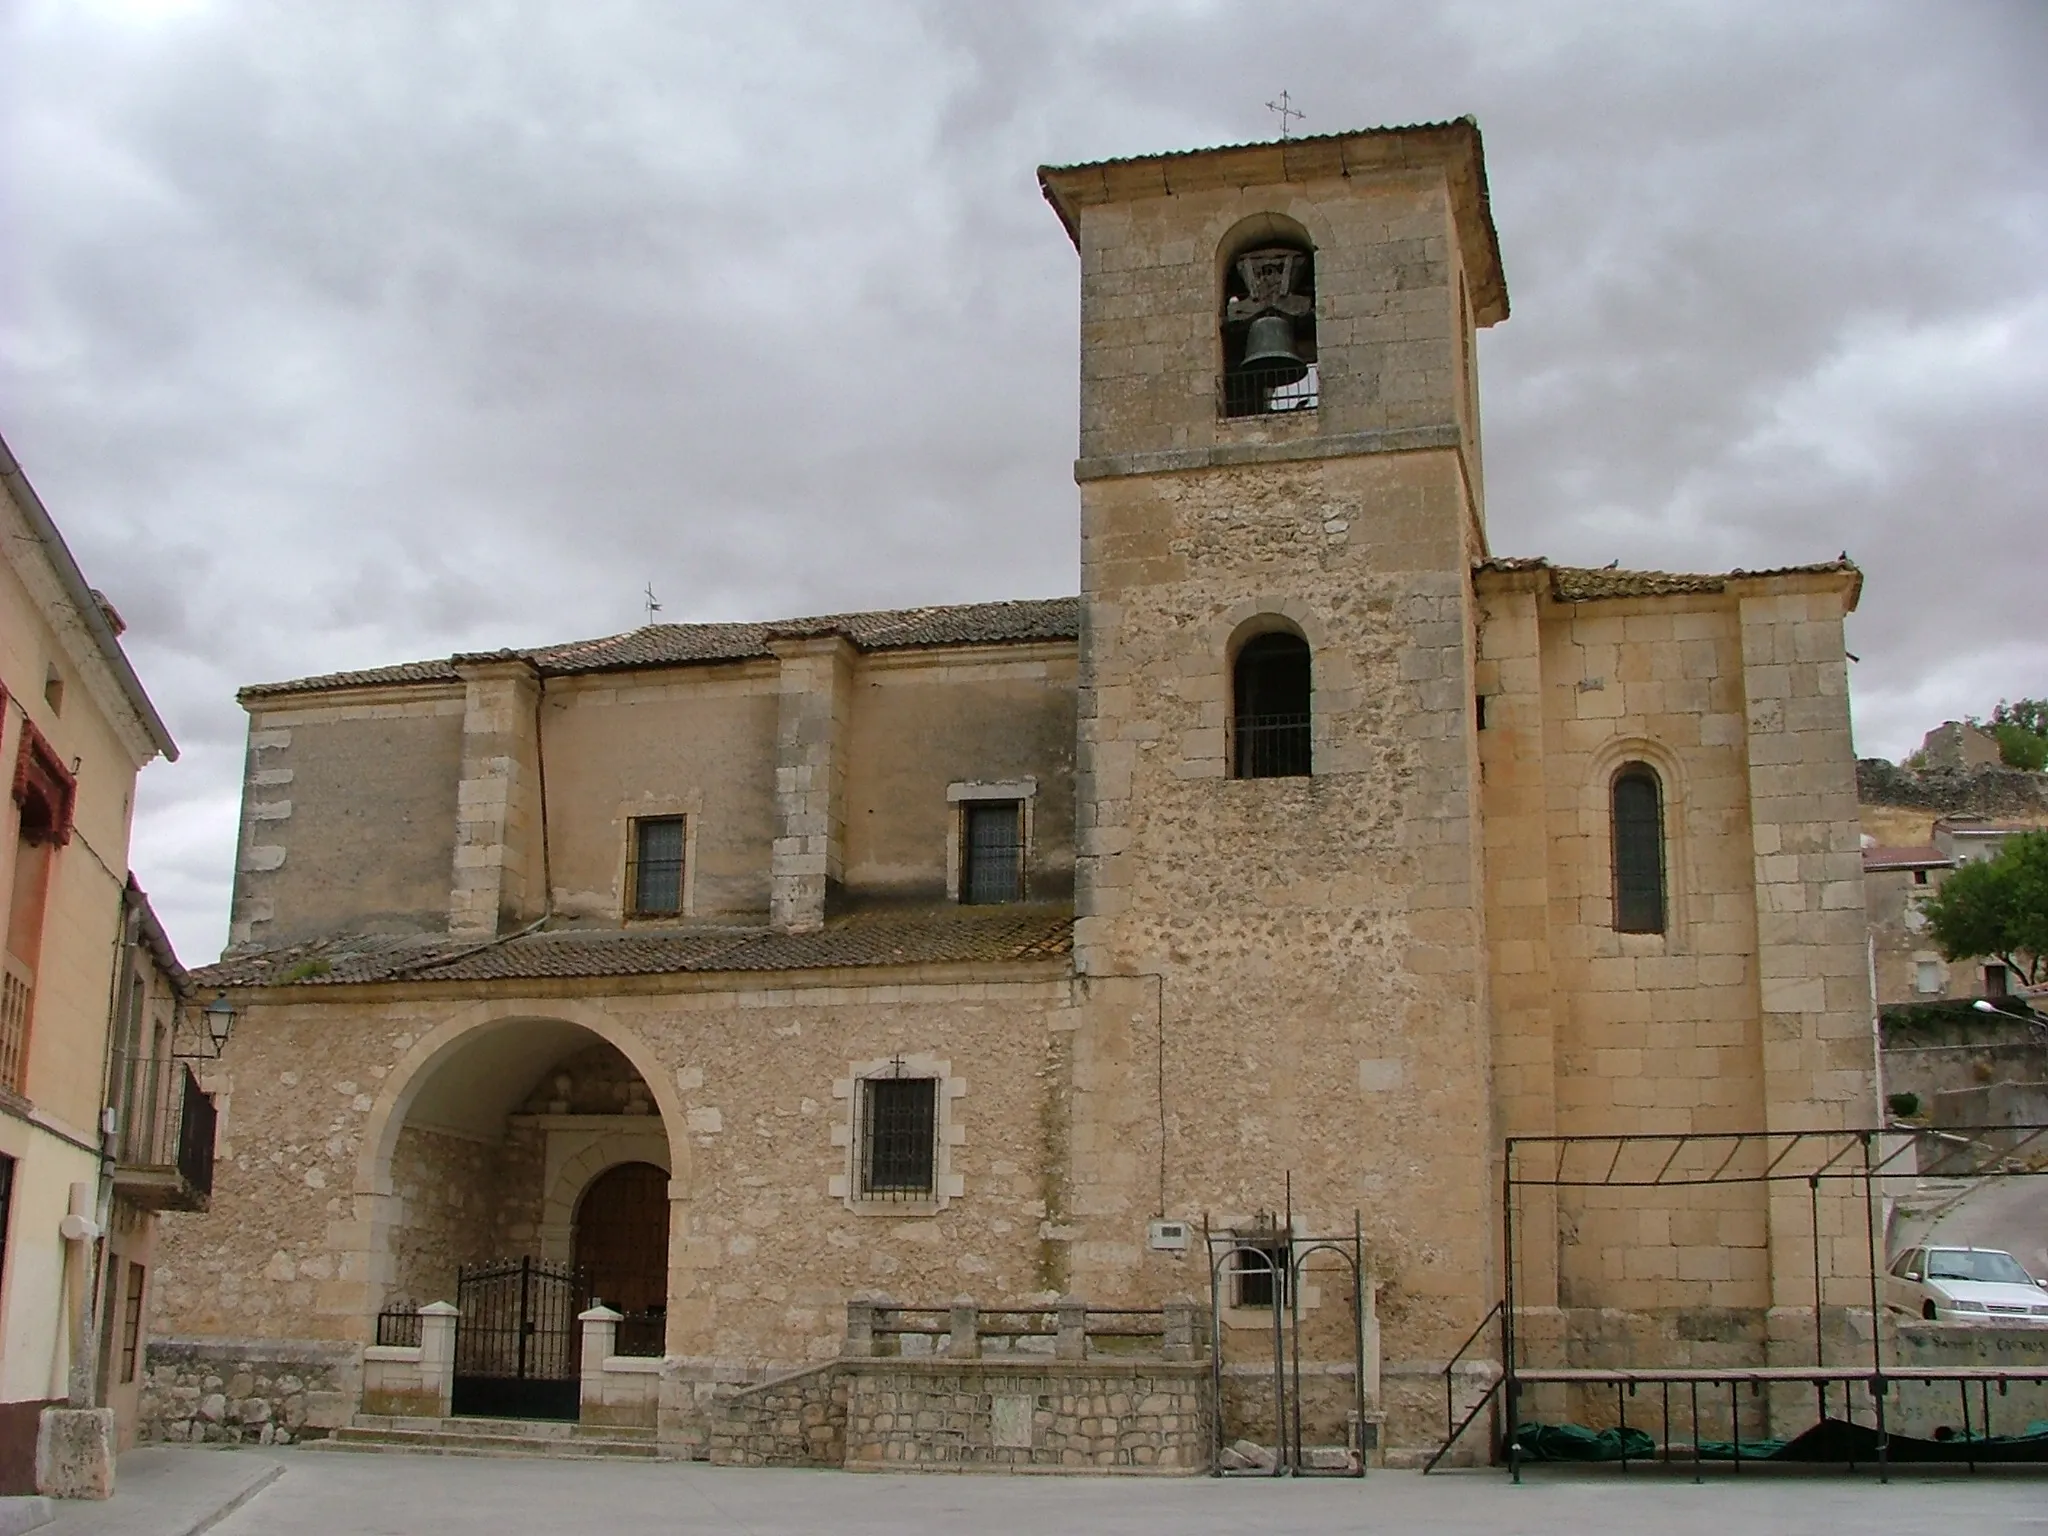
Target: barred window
(1638,850)
(898,1137)
(991,851)
(1260,1269)
(1269,719)
(131,1322)
(654,874)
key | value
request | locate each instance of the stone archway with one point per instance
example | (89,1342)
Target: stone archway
(471,1153)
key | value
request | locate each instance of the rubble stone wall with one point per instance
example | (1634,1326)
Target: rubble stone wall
(247,1391)
(797,1420)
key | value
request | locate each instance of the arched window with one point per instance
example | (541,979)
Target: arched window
(1269,718)
(1638,850)
(1269,325)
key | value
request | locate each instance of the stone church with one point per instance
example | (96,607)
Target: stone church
(1001,952)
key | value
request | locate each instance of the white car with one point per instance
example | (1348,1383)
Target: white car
(1965,1285)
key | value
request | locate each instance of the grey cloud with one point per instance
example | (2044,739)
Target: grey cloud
(342,335)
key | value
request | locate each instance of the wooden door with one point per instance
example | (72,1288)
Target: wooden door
(622,1238)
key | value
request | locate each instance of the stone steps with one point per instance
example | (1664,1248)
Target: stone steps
(496,1437)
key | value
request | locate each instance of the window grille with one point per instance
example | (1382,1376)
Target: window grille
(654,867)
(17,995)
(898,1137)
(1261,1269)
(1271,726)
(1638,850)
(991,851)
(131,1322)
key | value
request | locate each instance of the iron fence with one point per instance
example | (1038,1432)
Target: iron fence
(399,1328)
(642,1335)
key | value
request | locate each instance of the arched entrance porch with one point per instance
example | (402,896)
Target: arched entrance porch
(485,1154)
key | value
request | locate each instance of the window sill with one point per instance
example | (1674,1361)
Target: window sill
(895,1207)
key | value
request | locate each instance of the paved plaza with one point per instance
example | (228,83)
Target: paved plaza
(340,1494)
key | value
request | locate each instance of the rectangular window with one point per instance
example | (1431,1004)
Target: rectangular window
(654,873)
(991,851)
(899,1119)
(1260,1268)
(1995,982)
(1927,977)
(1919,877)
(131,1323)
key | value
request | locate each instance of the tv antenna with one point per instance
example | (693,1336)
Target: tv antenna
(1285,108)
(653,604)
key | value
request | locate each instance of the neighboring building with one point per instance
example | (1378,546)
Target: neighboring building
(1909,967)
(1959,744)
(77,729)
(991,949)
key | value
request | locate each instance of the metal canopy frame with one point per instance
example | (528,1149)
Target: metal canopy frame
(1697,1159)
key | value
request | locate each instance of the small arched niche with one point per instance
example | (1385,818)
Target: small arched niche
(1272,690)
(1267,318)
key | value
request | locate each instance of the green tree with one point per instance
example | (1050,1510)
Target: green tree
(1997,909)
(2022,731)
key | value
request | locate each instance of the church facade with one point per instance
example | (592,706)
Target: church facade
(1001,950)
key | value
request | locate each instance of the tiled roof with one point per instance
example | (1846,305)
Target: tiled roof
(1580,584)
(1297,141)
(669,645)
(1905,858)
(943,936)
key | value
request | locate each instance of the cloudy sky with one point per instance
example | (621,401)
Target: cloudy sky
(344,332)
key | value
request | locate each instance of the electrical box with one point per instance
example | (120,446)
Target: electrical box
(1170,1236)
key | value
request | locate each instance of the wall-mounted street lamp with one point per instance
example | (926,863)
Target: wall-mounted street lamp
(218,1017)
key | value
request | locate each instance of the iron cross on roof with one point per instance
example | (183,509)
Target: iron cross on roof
(1285,108)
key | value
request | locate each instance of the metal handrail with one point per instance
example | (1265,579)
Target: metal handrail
(1454,1427)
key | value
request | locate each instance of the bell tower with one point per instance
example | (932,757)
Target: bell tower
(1279,908)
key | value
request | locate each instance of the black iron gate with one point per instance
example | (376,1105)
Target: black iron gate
(518,1346)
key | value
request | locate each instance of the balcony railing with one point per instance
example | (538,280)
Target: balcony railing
(164,1155)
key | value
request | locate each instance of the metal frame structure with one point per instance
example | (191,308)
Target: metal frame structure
(1682,1160)
(1222,1249)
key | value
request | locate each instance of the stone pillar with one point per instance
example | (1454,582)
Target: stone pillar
(963,1342)
(437,1353)
(859,1343)
(75,1454)
(1072,1343)
(600,1340)
(1179,1342)
(1813,978)
(816,697)
(499,875)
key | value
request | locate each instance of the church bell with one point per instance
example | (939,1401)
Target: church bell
(1269,348)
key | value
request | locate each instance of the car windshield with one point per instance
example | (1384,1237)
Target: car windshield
(1976,1264)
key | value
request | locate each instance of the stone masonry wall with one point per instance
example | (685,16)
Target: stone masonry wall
(796,1420)
(940,1415)
(447,1189)
(247,1391)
